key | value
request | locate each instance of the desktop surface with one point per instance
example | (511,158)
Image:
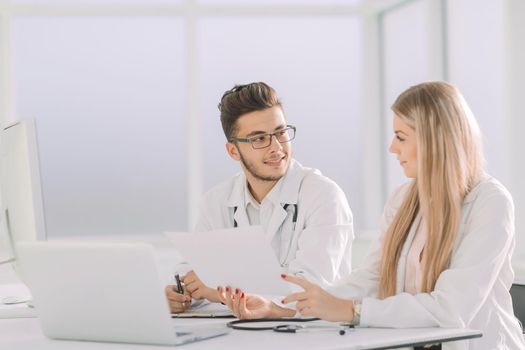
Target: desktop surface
(26,334)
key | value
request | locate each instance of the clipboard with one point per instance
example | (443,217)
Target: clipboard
(205,310)
(202,315)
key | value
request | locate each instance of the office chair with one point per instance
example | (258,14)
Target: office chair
(517,291)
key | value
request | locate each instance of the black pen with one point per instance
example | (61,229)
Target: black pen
(180,289)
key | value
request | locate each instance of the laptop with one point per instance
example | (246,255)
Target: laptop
(109,292)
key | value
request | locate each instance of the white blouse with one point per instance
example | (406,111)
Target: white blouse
(414,269)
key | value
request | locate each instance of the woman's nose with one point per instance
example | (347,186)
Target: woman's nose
(392,148)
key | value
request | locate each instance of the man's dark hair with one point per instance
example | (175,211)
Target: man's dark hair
(244,99)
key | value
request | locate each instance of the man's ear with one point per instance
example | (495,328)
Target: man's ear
(232,150)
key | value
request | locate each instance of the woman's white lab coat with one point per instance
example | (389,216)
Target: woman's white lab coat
(317,247)
(472,293)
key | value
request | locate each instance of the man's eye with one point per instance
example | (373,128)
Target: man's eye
(259,138)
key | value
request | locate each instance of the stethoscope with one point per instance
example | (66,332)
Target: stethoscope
(297,326)
(285,207)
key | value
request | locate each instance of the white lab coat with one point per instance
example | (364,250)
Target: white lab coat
(317,247)
(472,293)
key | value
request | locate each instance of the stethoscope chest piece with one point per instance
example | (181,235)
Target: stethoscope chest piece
(288,328)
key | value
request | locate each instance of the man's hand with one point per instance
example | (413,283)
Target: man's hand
(199,290)
(178,302)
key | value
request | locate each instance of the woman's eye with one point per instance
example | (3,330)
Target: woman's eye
(399,138)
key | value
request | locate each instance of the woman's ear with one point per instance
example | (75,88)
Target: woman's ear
(232,150)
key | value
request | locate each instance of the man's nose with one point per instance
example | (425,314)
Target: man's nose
(274,144)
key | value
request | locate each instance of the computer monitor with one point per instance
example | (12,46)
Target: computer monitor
(22,209)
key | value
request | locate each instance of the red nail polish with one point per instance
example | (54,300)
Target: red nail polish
(242,295)
(218,289)
(236,290)
(283,275)
(282,301)
(227,289)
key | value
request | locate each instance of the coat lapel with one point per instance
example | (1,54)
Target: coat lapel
(276,220)
(236,200)
(241,217)
(286,191)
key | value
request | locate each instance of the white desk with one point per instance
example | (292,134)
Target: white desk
(22,334)
(25,333)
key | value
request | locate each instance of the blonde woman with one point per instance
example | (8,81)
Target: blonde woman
(444,256)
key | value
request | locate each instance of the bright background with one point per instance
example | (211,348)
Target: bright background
(125,95)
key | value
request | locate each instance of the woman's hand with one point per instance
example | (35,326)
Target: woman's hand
(316,302)
(198,290)
(249,306)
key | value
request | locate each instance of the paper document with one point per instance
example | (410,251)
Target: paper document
(205,310)
(240,258)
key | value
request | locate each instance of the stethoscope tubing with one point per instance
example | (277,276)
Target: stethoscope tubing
(237,323)
(298,327)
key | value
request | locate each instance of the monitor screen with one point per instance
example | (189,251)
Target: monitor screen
(22,214)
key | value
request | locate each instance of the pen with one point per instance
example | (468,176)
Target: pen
(299,328)
(180,289)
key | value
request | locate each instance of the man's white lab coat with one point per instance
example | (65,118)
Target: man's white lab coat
(317,246)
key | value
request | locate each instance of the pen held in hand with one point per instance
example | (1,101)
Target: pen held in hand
(180,289)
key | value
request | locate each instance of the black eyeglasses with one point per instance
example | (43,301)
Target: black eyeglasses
(265,140)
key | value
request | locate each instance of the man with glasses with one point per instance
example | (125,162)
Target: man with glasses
(306,214)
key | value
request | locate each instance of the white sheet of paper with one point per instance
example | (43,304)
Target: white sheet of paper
(239,258)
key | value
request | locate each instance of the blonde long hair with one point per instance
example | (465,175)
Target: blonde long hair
(450,164)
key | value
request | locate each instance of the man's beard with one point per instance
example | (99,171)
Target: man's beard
(253,171)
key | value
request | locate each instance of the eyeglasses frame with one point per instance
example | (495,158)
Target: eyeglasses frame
(271,134)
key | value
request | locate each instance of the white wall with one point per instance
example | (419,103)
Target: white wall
(313,63)
(126,104)
(410,37)
(476,50)
(481,50)
(485,52)
(515,74)
(109,100)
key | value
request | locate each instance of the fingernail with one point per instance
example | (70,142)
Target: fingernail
(282,301)
(242,295)
(283,275)
(218,289)
(236,290)
(227,289)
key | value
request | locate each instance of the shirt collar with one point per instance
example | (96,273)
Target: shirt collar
(285,191)
(248,198)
